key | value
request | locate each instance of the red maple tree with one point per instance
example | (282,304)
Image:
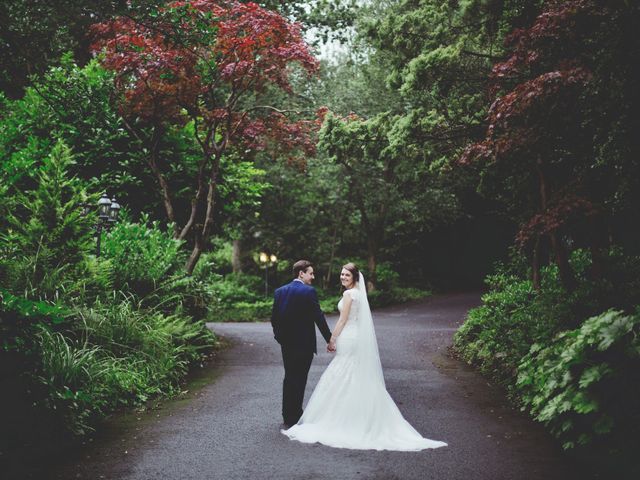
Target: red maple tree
(535,141)
(206,62)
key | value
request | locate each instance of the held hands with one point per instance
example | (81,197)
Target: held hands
(331,346)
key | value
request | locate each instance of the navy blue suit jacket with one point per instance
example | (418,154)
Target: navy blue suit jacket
(295,313)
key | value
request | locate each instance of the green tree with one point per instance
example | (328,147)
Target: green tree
(71,103)
(382,187)
(47,236)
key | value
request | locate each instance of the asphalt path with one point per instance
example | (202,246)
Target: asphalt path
(227,425)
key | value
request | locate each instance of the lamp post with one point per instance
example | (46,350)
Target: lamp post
(267,260)
(108,210)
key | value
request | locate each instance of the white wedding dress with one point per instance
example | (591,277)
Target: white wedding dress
(350,407)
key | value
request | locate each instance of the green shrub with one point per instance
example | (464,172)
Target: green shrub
(386,277)
(238,297)
(382,298)
(575,376)
(244,311)
(231,289)
(47,237)
(142,254)
(583,384)
(220,257)
(118,355)
(496,335)
(330,304)
(182,294)
(70,372)
(513,316)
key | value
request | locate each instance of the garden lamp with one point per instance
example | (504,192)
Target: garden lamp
(114,209)
(104,205)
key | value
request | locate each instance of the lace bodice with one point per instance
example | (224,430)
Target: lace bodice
(355,303)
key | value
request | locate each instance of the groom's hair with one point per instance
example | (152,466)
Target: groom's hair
(301,266)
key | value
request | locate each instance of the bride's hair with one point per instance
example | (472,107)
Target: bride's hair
(353,268)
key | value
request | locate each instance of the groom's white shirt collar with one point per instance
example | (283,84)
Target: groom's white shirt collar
(297,280)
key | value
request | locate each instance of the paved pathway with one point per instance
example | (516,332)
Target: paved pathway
(228,427)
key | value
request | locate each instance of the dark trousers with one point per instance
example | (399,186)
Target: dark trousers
(296,369)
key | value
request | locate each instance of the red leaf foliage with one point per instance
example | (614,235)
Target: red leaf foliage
(281,136)
(540,45)
(544,78)
(516,120)
(569,209)
(198,58)
(534,116)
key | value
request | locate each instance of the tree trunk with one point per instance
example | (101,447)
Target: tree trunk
(202,237)
(198,247)
(327,277)
(166,193)
(236,252)
(562,260)
(195,201)
(535,265)
(559,252)
(371,264)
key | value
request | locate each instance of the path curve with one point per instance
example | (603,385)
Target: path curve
(229,427)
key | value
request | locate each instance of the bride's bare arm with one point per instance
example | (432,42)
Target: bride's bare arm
(344,315)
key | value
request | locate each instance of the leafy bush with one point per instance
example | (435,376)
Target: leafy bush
(142,254)
(496,335)
(381,298)
(117,355)
(47,237)
(244,311)
(232,289)
(575,376)
(386,277)
(330,304)
(219,259)
(236,297)
(513,316)
(581,385)
(182,294)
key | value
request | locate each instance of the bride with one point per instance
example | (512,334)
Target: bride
(350,407)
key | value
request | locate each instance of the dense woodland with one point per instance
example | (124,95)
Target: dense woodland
(444,145)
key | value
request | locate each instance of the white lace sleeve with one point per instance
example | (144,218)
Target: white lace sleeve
(355,304)
(353,293)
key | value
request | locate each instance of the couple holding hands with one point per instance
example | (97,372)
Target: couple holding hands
(350,406)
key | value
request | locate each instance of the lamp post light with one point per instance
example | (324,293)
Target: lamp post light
(108,211)
(114,211)
(103,207)
(267,261)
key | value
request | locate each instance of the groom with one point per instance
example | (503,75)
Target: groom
(295,310)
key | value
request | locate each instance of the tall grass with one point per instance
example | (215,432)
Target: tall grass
(116,355)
